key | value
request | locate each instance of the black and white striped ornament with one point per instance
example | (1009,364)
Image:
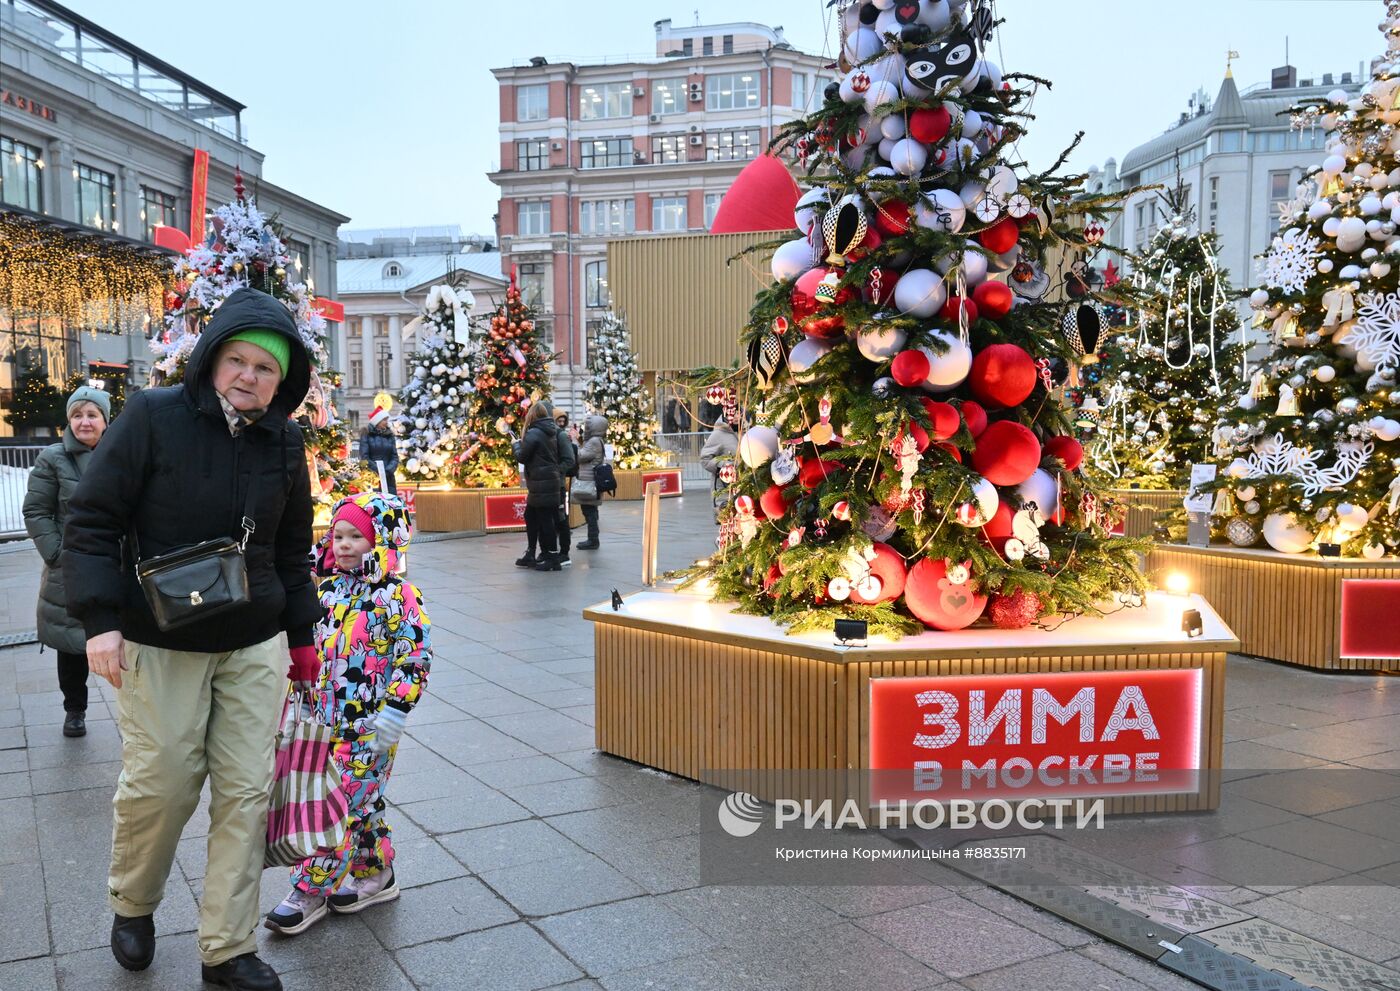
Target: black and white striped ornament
(1083,329)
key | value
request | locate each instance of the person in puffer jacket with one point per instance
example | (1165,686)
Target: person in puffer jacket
(591,453)
(375,652)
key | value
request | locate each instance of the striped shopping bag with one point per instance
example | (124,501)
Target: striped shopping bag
(308,808)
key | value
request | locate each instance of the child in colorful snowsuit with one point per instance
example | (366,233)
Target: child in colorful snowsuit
(374,648)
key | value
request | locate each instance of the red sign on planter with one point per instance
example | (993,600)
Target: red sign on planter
(670,479)
(504,512)
(1035,735)
(1370,618)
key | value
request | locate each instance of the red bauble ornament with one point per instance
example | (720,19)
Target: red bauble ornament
(910,368)
(1015,611)
(823,328)
(944,418)
(993,299)
(936,601)
(951,451)
(930,125)
(1067,449)
(804,291)
(950,309)
(814,471)
(920,435)
(887,566)
(892,217)
(1007,453)
(1002,375)
(997,530)
(1001,237)
(770,579)
(773,503)
(975,416)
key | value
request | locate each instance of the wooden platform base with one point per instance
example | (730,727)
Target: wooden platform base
(1294,608)
(686,685)
(475,511)
(631,484)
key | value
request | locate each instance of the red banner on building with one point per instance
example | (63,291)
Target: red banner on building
(505,511)
(670,479)
(199,194)
(329,309)
(1035,735)
(1370,618)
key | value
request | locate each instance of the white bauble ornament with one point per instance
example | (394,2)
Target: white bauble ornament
(1239,468)
(758,446)
(421,423)
(1370,206)
(948,370)
(892,127)
(862,44)
(804,355)
(936,14)
(886,149)
(1245,494)
(983,505)
(973,263)
(920,293)
(413,464)
(1322,208)
(1043,490)
(1351,516)
(1285,533)
(854,84)
(972,124)
(880,93)
(941,210)
(908,157)
(1003,183)
(1325,373)
(1386,430)
(971,192)
(880,343)
(1331,226)
(1259,299)
(805,214)
(1373,551)
(1334,164)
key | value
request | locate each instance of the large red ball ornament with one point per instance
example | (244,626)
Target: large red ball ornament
(951,451)
(1015,611)
(1002,375)
(938,602)
(930,125)
(944,417)
(827,327)
(1067,449)
(773,503)
(997,530)
(920,435)
(956,302)
(804,291)
(1001,237)
(814,471)
(771,579)
(975,416)
(888,567)
(994,299)
(1007,453)
(910,368)
(892,217)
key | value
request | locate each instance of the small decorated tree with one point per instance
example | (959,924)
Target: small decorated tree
(243,248)
(614,390)
(435,403)
(512,373)
(37,405)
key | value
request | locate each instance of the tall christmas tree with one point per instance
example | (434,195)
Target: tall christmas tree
(435,403)
(908,463)
(614,390)
(243,248)
(1163,378)
(513,372)
(1316,438)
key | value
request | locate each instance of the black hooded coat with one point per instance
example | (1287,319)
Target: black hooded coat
(169,474)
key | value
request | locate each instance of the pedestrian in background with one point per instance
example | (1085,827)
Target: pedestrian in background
(379,449)
(719,450)
(52,482)
(537,452)
(591,453)
(568,468)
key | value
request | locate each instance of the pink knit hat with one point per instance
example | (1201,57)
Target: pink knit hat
(358,517)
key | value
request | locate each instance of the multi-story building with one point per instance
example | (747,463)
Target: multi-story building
(96,133)
(383,278)
(1238,159)
(595,152)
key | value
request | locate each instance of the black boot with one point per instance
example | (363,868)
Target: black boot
(75,724)
(549,562)
(591,544)
(527,560)
(134,941)
(245,973)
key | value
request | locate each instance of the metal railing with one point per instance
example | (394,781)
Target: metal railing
(685,453)
(15,463)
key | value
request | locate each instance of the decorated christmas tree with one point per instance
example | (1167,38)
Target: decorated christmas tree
(513,372)
(243,248)
(907,462)
(435,403)
(1162,379)
(614,390)
(1312,448)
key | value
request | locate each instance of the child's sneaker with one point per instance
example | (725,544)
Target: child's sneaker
(298,912)
(359,893)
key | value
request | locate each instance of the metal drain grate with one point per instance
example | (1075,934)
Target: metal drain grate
(1174,906)
(1201,961)
(1319,964)
(19,639)
(1128,929)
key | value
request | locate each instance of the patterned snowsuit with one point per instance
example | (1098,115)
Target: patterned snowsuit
(375,651)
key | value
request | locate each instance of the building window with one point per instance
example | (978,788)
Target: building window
(21,175)
(732,91)
(729,44)
(1214,216)
(603,100)
(157,210)
(668,213)
(605,153)
(532,285)
(1280,193)
(801,90)
(532,217)
(381,328)
(607,216)
(688,47)
(532,102)
(1228,142)
(393,270)
(595,284)
(382,357)
(712,201)
(357,373)
(667,149)
(95,193)
(731,146)
(707,46)
(668,95)
(301,258)
(532,155)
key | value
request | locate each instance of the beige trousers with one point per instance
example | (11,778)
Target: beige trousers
(184,717)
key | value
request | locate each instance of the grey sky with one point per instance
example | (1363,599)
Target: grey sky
(388,111)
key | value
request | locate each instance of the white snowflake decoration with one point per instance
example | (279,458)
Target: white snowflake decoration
(1277,456)
(1377,334)
(1291,261)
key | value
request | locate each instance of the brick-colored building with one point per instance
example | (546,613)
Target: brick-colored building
(595,152)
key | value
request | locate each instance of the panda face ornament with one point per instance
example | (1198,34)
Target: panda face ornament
(935,70)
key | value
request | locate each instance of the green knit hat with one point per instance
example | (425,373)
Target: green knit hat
(270,341)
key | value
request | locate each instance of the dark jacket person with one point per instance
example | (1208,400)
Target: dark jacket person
(182,465)
(538,453)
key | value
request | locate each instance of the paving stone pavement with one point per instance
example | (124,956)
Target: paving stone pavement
(531,861)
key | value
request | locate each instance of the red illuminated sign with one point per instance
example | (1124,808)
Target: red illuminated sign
(199,194)
(1033,735)
(1370,618)
(505,512)
(30,106)
(670,479)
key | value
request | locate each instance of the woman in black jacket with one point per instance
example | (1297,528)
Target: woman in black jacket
(538,452)
(214,457)
(378,448)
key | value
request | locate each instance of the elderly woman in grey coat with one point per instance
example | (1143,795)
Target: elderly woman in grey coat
(51,483)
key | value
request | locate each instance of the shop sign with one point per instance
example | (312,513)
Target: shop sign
(25,104)
(504,512)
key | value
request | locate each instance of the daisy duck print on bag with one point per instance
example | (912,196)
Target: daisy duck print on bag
(374,647)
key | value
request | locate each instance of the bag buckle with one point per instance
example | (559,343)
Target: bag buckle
(249,527)
(196,599)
